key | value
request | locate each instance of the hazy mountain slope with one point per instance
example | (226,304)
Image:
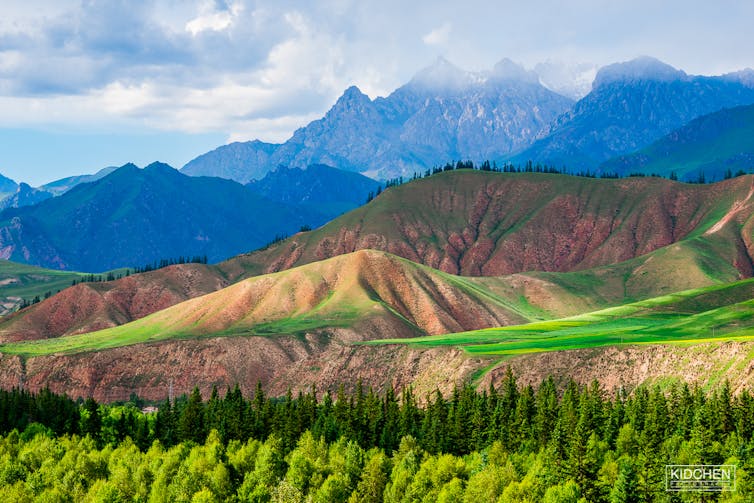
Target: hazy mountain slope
(319,188)
(133,217)
(443,113)
(24,196)
(476,223)
(63,185)
(7,187)
(710,145)
(631,105)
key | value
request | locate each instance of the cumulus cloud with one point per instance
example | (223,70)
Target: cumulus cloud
(214,17)
(262,68)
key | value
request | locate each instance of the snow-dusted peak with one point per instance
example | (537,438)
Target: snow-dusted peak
(573,80)
(507,70)
(644,68)
(442,74)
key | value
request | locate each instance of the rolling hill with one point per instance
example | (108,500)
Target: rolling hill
(517,205)
(363,293)
(488,224)
(91,306)
(710,145)
(317,324)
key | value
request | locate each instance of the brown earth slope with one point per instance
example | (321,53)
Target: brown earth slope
(87,307)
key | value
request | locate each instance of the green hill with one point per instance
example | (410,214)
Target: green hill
(724,312)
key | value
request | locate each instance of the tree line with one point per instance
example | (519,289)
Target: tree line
(543,442)
(531,167)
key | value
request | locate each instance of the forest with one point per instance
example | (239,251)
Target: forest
(514,443)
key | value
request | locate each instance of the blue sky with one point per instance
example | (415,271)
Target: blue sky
(88,84)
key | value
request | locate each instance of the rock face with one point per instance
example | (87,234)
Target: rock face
(631,105)
(440,115)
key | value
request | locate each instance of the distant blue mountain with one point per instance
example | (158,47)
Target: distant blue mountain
(65,184)
(442,114)
(712,146)
(135,216)
(7,187)
(24,196)
(631,105)
(319,189)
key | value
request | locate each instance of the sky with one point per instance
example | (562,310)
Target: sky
(89,84)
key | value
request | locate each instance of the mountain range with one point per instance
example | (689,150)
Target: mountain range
(631,105)
(506,114)
(134,217)
(443,113)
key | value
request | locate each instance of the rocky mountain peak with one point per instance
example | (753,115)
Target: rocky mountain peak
(644,68)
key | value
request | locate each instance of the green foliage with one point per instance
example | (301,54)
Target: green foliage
(601,449)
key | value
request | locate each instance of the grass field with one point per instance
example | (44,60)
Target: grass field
(692,316)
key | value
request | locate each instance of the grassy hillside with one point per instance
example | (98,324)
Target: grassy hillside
(366,294)
(488,224)
(688,317)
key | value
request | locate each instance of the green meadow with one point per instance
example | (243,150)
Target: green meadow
(720,312)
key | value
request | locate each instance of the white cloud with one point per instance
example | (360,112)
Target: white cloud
(438,36)
(213,19)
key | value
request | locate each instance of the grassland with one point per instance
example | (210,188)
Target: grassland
(700,315)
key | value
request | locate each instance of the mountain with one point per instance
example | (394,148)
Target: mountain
(7,187)
(133,217)
(25,196)
(239,161)
(443,113)
(318,313)
(65,184)
(317,189)
(631,105)
(710,145)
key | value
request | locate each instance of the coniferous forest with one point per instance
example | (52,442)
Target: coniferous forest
(511,444)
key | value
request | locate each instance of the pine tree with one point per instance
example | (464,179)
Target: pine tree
(191,425)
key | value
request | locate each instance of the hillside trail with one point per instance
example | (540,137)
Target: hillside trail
(735,209)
